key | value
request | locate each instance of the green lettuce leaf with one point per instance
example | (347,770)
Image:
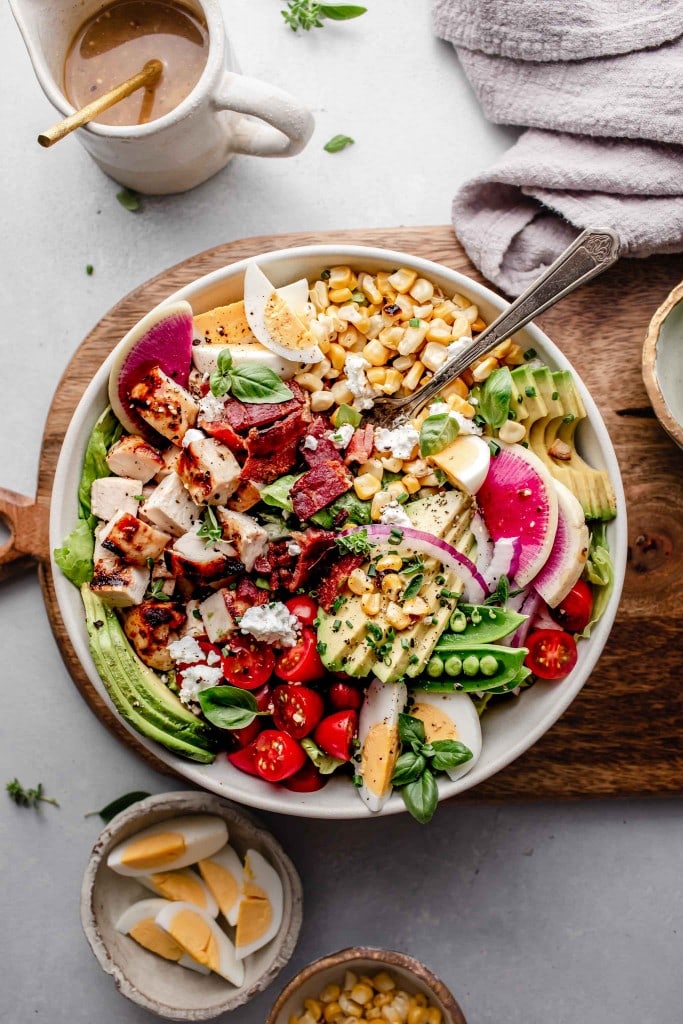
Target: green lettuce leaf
(106,431)
(74,557)
(599,571)
(277,493)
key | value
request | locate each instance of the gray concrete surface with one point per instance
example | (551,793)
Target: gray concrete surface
(531,913)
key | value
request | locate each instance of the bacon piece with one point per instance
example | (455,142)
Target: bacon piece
(246,595)
(294,571)
(335,579)
(223,432)
(273,452)
(324,451)
(243,416)
(360,445)
(319,487)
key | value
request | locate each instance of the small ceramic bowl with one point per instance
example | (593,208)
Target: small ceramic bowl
(663,364)
(410,974)
(162,987)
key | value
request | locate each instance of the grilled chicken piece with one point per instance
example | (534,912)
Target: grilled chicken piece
(217,618)
(164,405)
(194,625)
(191,559)
(170,507)
(118,584)
(246,497)
(244,534)
(134,457)
(170,463)
(151,627)
(112,494)
(133,541)
(209,470)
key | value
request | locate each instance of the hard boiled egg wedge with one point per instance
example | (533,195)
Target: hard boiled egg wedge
(379,740)
(205,359)
(465,462)
(223,875)
(201,938)
(184,886)
(139,921)
(259,914)
(449,716)
(275,316)
(169,845)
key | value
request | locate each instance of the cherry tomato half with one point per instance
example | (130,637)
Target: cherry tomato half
(307,780)
(343,695)
(243,737)
(574,613)
(335,733)
(247,663)
(277,755)
(297,710)
(552,653)
(305,609)
(245,759)
(301,663)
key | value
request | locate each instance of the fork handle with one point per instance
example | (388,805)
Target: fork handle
(588,255)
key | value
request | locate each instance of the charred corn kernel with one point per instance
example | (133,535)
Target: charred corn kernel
(321,401)
(511,432)
(349,337)
(366,486)
(458,404)
(396,617)
(373,466)
(403,363)
(515,356)
(340,295)
(391,464)
(403,280)
(313,1007)
(412,378)
(391,337)
(433,1015)
(392,382)
(420,999)
(341,277)
(417,468)
(460,328)
(422,289)
(433,355)
(342,393)
(375,326)
(485,368)
(383,285)
(411,483)
(390,563)
(412,338)
(446,311)
(377,375)
(396,489)
(376,353)
(319,296)
(368,286)
(406,306)
(379,503)
(416,1015)
(392,585)
(337,355)
(308,381)
(470,313)
(431,480)
(500,351)
(330,994)
(370,605)
(332,1012)
(456,387)
(361,994)
(478,325)
(416,606)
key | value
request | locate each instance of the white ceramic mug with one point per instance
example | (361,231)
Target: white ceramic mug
(195,139)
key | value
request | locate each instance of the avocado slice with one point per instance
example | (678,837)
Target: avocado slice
(438,513)
(532,402)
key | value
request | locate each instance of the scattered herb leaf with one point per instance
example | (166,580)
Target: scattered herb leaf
(28,797)
(118,805)
(337,143)
(437,432)
(129,200)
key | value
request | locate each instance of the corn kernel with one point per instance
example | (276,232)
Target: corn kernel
(406,306)
(313,1007)
(478,325)
(374,1013)
(319,297)
(331,1012)
(383,999)
(396,617)
(460,301)
(377,375)
(420,999)
(416,1015)
(369,288)
(370,605)
(384,287)
(515,356)
(439,331)
(412,378)
(373,466)
(485,369)
(458,404)
(391,1015)
(376,354)
(403,363)
(392,585)
(471,313)
(340,295)
(375,326)
(342,393)
(342,277)
(392,382)
(416,606)
(330,994)
(390,563)
(379,503)
(446,311)
(349,337)
(391,464)
(423,312)
(352,314)
(366,485)
(360,584)
(349,1006)
(293,1019)
(511,432)
(413,338)
(403,280)
(361,994)
(500,351)
(456,387)
(396,490)
(431,480)
(417,468)
(391,337)
(411,483)
(307,1018)
(460,328)
(422,290)
(350,979)
(308,381)
(433,355)
(321,401)
(336,355)
(434,1015)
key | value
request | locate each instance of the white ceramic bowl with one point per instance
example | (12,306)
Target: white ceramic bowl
(509,730)
(174,992)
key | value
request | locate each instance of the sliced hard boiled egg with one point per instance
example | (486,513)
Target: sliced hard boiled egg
(184,886)
(465,462)
(223,874)
(205,359)
(201,938)
(273,319)
(259,914)
(379,740)
(139,921)
(169,845)
(449,716)
(223,325)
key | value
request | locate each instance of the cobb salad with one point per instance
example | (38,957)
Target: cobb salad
(268,577)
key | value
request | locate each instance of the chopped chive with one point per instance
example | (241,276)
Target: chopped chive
(530,354)
(495,448)
(89,269)
(569,418)
(321,647)
(336,625)
(414,321)
(555,395)
(530,392)
(325,276)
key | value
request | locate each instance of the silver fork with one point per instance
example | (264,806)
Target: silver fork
(591,253)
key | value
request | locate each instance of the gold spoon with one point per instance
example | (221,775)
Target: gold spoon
(148,76)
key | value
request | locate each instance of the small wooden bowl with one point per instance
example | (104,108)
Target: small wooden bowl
(663,364)
(410,973)
(165,988)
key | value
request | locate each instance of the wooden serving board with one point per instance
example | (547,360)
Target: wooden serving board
(623,734)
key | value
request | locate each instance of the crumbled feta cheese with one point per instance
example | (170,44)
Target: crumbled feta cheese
(186,650)
(458,346)
(341,436)
(400,441)
(393,515)
(213,658)
(465,425)
(193,435)
(197,678)
(354,368)
(272,624)
(211,408)
(293,549)
(311,443)
(535,363)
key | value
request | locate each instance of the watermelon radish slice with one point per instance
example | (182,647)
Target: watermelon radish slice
(570,550)
(162,338)
(518,499)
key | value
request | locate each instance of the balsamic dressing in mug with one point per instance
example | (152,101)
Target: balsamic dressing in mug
(119,39)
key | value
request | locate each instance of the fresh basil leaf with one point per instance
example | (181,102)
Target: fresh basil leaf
(228,707)
(411,731)
(210,531)
(106,431)
(421,797)
(495,397)
(75,557)
(341,12)
(323,762)
(437,432)
(449,754)
(337,143)
(409,768)
(414,586)
(224,361)
(118,805)
(129,200)
(346,414)
(277,494)
(219,383)
(258,384)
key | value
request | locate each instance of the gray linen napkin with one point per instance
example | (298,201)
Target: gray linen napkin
(547,64)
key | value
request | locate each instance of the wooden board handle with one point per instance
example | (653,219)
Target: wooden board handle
(28,539)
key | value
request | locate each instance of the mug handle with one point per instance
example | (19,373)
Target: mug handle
(288,126)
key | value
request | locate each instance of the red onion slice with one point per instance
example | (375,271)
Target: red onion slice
(484,543)
(505,561)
